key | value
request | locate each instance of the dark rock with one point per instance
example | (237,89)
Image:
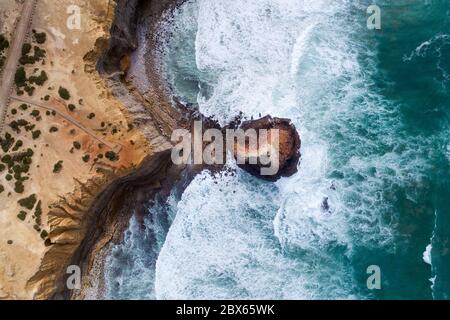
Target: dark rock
(289,147)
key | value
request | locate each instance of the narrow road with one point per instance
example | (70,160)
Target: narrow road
(116,148)
(14,52)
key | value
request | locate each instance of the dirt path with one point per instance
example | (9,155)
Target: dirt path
(14,53)
(114,147)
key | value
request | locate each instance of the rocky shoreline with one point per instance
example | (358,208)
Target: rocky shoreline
(154,115)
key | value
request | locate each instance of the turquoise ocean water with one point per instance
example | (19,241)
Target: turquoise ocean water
(373,110)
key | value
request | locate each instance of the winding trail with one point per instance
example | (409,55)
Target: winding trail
(114,147)
(14,52)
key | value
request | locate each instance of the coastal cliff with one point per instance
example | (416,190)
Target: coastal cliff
(93,211)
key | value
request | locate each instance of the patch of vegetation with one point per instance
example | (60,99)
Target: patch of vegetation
(29,202)
(19,187)
(13,111)
(18,145)
(44,234)
(39,37)
(38,213)
(111,156)
(22,215)
(58,167)
(20,78)
(27,58)
(39,80)
(36,134)
(16,125)
(6,142)
(91,116)
(77,145)
(54,129)
(64,93)
(24,107)
(4,44)
(35,113)
(2,188)
(72,107)
(86,158)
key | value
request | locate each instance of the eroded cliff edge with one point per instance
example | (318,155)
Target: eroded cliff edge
(84,222)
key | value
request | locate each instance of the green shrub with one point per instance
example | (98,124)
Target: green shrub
(91,116)
(18,145)
(86,158)
(22,215)
(2,188)
(77,145)
(39,80)
(24,107)
(64,93)
(39,53)
(26,48)
(44,234)
(19,188)
(8,177)
(29,202)
(40,37)
(20,77)
(112,156)
(4,43)
(58,166)
(13,111)
(7,142)
(36,134)
(35,113)
(54,129)
(38,213)
(71,107)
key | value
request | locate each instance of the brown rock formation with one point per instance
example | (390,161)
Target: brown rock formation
(288,147)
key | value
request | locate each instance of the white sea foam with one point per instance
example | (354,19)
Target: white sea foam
(237,237)
(427,255)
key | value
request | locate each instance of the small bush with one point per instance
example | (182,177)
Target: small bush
(112,156)
(91,116)
(35,113)
(54,129)
(44,234)
(39,80)
(19,188)
(71,107)
(29,202)
(22,215)
(40,37)
(36,134)
(64,93)
(58,167)
(20,77)
(86,158)
(2,188)
(77,145)
(26,48)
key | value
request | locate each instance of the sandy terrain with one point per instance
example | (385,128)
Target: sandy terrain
(72,136)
